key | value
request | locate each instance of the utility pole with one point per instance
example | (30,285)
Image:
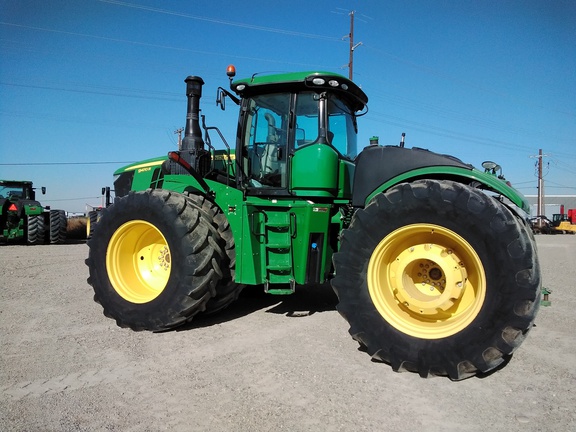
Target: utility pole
(179,132)
(540,204)
(352,46)
(540,184)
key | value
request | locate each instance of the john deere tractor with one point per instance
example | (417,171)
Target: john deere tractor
(432,260)
(24,220)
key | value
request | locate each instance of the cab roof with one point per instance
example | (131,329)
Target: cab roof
(294,82)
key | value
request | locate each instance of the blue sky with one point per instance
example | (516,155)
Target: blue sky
(86,82)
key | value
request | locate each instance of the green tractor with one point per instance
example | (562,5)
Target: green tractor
(433,262)
(24,220)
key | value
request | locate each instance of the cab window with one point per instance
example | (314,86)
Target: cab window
(265,151)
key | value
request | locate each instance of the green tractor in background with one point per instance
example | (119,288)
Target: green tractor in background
(25,220)
(432,260)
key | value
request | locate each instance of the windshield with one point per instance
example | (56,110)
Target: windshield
(277,125)
(14,192)
(340,123)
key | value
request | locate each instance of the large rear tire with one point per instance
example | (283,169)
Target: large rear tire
(35,229)
(154,260)
(438,278)
(57,226)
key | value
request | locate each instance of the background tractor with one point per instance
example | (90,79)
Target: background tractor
(432,260)
(23,219)
(561,223)
(565,223)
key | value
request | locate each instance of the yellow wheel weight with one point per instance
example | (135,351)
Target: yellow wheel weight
(138,261)
(426,281)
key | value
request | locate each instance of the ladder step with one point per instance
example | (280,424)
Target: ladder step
(279,268)
(286,291)
(279,221)
(277,226)
(280,289)
(278,246)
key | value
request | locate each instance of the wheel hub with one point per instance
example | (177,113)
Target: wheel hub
(427,278)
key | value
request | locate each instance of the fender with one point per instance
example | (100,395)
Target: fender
(380,168)
(33,208)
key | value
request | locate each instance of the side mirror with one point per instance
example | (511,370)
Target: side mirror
(43,188)
(221,99)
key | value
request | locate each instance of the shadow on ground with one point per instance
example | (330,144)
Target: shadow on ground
(305,301)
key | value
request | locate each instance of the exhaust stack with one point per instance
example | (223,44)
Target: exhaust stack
(192,149)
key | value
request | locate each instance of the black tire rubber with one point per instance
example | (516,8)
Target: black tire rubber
(227,289)
(195,257)
(35,229)
(58,225)
(507,251)
(91,223)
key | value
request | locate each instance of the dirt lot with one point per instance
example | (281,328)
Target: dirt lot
(265,364)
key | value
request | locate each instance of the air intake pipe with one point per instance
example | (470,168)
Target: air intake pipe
(192,149)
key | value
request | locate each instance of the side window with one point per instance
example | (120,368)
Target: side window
(266,139)
(342,128)
(306,119)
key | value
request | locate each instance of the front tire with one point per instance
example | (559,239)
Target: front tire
(58,222)
(154,260)
(437,278)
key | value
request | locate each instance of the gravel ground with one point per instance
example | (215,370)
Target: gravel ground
(265,364)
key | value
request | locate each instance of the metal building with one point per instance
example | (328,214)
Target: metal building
(552,204)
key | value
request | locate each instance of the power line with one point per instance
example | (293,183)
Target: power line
(166,47)
(451,114)
(434,130)
(64,163)
(71,199)
(223,22)
(90,121)
(105,93)
(460,81)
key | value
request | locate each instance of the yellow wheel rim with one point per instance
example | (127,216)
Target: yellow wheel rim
(138,261)
(426,281)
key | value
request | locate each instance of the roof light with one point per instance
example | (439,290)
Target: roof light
(231,71)
(334,83)
(344,86)
(240,87)
(318,81)
(489,165)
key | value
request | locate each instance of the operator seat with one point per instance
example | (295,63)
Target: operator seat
(269,157)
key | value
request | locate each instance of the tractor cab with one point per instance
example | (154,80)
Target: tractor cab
(298,138)
(558,218)
(16,190)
